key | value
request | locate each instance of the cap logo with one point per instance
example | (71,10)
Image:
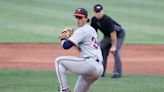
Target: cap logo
(98,7)
(79,10)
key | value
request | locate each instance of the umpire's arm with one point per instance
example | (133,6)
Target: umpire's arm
(114,41)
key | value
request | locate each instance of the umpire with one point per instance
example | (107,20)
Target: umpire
(112,41)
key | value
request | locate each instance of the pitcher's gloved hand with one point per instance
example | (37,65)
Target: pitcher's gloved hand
(66,33)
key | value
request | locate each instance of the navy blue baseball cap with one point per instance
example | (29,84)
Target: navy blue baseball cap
(97,8)
(82,12)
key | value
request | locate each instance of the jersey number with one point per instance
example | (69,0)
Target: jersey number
(95,44)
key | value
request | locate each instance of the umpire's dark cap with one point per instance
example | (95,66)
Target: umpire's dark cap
(82,12)
(97,8)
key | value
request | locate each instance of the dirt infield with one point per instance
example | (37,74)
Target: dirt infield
(136,59)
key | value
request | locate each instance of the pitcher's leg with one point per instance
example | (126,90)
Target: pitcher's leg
(83,83)
(61,75)
(64,64)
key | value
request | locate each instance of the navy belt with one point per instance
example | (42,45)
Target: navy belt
(97,60)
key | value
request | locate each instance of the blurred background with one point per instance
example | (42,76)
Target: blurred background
(41,21)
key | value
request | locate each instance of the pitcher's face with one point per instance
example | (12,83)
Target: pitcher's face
(80,21)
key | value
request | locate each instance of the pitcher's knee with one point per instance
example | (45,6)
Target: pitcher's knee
(59,59)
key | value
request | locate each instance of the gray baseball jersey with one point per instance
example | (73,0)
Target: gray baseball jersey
(88,66)
(85,38)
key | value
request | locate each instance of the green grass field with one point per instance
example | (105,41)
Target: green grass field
(41,21)
(46,81)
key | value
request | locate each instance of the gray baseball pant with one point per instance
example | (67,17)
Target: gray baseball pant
(88,70)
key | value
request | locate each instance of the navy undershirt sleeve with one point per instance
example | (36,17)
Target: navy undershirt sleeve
(67,44)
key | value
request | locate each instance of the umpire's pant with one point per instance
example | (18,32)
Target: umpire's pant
(105,47)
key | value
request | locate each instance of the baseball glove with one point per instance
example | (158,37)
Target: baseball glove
(66,33)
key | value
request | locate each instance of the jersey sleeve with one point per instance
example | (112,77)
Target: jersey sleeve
(77,36)
(67,44)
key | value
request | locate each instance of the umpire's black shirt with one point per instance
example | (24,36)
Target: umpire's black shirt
(107,25)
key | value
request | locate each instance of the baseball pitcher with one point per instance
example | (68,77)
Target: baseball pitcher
(89,65)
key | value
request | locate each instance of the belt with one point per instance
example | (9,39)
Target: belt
(97,60)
